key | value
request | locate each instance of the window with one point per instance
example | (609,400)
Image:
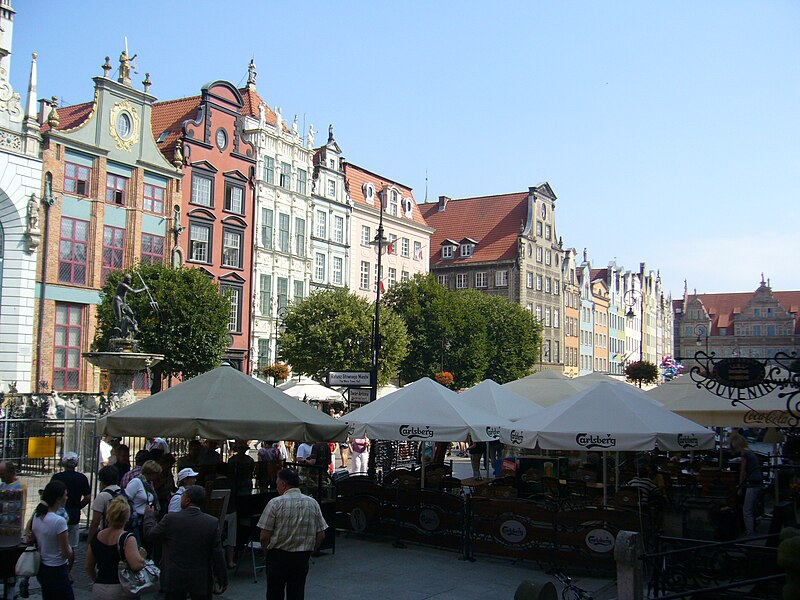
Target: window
(442,279)
(153,198)
(234,198)
(232,248)
(500,278)
(152,249)
(756,312)
(547,313)
(366,235)
(299,236)
(547,257)
(466,250)
(447,251)
(113,242)
(547,281)
(556,287)
(392,246)
(404,276)
(556,351)
(481,280)
(268,170)
(393,203)
(529,279)
(263,354)
(338,270)
(539,283)
(539,228)
(538,312)
(199,240)
(286,175)
(338,229)
(556,318)
(322,224)
(141,381)
(76,179)
(115,189)
(461,280)
(266,228)
(417,250)
(201,189)
(302,178)
(538,254)
(392,279)
(72,251)
(319,267)
(265,295)
(235,296)
(404,247)
(283,232)
(363,282)
(756,330)
(548,232)
(299,291)
(331,188)
(544,210)
(67,346)
(283,292)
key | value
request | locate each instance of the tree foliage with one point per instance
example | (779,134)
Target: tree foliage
(466,332)
(331,330)
(192,332)
(641,372)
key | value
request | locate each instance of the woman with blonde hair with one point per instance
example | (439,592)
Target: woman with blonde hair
(107,548)
(142,494)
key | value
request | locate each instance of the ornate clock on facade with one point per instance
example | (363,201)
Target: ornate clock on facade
(124,125)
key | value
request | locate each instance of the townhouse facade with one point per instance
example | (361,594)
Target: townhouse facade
(108,195)
(755,324)
(407,234)
(600,300)
(572,313)
(20,217)
(504,245)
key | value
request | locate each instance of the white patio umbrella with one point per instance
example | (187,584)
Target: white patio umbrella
(307,388)
(545,387)
(604,417)
(424,411)
(490,396)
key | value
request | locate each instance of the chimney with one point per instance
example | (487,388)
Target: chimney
(443,200)
(44,110)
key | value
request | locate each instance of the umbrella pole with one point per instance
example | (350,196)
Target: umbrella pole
(422,474)
(616,475)
(605,479)
(486,460)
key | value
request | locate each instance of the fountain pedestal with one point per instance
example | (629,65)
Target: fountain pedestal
(122,366)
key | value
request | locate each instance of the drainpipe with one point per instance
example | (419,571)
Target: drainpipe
(48,201)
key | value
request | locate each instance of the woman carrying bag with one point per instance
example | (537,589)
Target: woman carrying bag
(50,532)
(142,494)
(103,553)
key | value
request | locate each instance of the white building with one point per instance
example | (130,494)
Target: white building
(20,232)
(283,255)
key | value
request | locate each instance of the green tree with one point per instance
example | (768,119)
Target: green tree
(641,372)
(515,339)
(331,330)
(192,331)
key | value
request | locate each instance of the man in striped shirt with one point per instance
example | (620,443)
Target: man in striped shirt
(292,527)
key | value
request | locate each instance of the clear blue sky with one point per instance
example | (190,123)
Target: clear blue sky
(670,131)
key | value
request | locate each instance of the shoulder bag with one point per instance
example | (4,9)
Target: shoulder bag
(133,582)
(28,562)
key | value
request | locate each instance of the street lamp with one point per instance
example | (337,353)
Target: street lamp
(701,331)
(280,329)
(445,348)
(630,298)
(380,243)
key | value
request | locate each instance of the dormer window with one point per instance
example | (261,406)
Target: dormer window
(369,192)
(447,251)
(394,208)
(466,250)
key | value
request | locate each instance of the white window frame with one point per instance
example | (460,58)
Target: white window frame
(461,281)
(319,267)
(501,278)
(481,280)
(366,235)
(364,279)
(322,224)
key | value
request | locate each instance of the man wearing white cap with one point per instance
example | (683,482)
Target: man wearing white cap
(186,477)
(78,493)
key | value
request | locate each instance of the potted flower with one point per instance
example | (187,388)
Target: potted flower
(444,378)
(276,371)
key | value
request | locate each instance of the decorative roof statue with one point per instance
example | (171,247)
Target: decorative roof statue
(33,214)
(251,74)
(294,126)
(107,67)
(53,119)
(125,67)
(311,133)
(177,158)
(147,83)
(330,134)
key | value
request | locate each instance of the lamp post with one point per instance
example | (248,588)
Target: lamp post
(630,298)
(701,331)
(280,328)
(445,348)
(380,244)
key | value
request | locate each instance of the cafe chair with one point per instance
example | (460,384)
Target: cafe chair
(254,545)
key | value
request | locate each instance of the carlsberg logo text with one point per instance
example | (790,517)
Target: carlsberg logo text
(493,432)
(589,441)
(411,432)
(687,441)
(516,437)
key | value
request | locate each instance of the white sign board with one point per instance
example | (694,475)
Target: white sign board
(360,395)
(349,378)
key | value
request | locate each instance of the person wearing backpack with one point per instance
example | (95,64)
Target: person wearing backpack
(109,480)
(141,493)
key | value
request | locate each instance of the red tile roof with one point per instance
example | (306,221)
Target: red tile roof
(70,116)
(493,221)
(723,307)
(356,177)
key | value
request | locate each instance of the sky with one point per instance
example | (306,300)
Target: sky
(669,131)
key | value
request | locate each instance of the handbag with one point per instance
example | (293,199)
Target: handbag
(28,562)
(133,582)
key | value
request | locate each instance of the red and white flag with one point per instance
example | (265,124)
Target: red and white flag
(381,286)
(419,254)
(391,248)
